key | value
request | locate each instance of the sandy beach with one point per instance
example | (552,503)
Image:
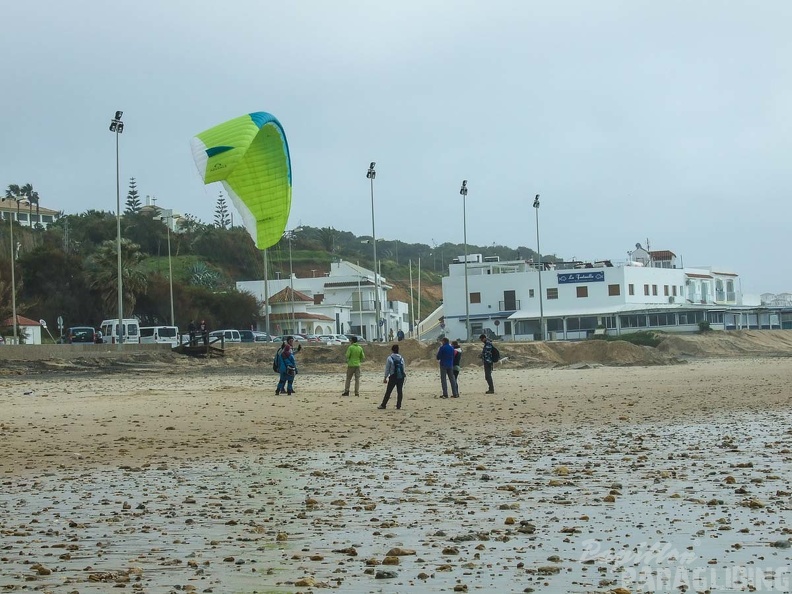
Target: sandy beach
(176,476)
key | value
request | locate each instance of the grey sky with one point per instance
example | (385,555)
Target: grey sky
(667,120)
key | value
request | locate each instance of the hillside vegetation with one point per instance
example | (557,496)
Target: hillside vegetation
(70,269)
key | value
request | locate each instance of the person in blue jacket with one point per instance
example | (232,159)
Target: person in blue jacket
(287,367)
(445,356)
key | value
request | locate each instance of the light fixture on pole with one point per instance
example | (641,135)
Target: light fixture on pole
(291,276)
(13,265)
(464,192)
(371,174)
(117,127)
(539,270)
(168,220)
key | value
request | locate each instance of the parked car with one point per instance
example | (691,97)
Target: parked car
(333,339)
(311,337)
(159,335)
(226,335)
(247,336)
(130,331)
(261,337)
(360,339)
(79,335)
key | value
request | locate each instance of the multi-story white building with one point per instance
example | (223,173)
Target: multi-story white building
(577,299)
(341,301)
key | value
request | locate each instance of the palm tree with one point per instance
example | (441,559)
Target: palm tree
(327,237)
(103,274)
(27,191)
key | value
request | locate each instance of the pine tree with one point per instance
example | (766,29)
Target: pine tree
(222,216)
(133,205)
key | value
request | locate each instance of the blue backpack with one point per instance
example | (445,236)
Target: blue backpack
(398,367)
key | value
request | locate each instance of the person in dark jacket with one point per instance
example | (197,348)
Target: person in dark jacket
(486,357)
(457,360)
(394,377)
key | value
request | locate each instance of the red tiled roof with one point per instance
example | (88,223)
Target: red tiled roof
(300,315)
(364,283)
(285,296)
(21,321)
(662,255)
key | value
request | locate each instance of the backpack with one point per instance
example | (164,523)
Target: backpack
(276,360)
(398,367)
(495,354)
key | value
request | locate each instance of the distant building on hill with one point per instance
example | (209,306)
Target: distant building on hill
(341,301)
(649,291)
(28,215)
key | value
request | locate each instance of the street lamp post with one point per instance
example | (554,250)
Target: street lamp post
(464,191)
(291,276)
(539,270)
(117,126)
(168,220)
(371,174)
(13,266)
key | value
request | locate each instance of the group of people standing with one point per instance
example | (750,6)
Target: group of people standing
(449,357)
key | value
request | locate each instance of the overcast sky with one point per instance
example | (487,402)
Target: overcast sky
(665,120)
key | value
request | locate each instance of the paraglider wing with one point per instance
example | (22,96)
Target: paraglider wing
(250,156)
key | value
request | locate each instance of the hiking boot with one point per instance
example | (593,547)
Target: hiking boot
(490,392)
(277,391)
(380,407)
(346,393)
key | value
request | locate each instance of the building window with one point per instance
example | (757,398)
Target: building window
(552,293)
(530,293)
(663,319)
(582,292)
(633,321)
(674,291)
(654,290)
(665,290)
(578,324)
(614,290)
(631,289)
(475,297)
(646,290)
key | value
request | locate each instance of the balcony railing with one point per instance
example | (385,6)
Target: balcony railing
(512,305)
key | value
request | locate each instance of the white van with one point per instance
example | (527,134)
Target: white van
(159,335)
(130,329)
(226,335)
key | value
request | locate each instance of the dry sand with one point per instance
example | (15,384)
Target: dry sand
(164,474)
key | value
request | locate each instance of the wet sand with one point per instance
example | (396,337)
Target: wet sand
(563,481)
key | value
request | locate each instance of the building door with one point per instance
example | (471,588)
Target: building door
(509,300)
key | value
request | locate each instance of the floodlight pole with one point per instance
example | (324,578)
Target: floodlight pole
(464,192)
(539,270)
(371,175)
(117,126)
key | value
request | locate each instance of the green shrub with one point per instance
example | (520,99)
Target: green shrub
(650,339)
(704,326)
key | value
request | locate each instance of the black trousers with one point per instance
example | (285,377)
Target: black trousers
(393,383)
(488,375)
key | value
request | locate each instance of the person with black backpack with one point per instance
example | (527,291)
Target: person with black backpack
(489,355)
(394,377)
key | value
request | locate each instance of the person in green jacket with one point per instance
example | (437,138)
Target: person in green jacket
(354,356)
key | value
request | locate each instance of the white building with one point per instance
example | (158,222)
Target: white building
(649,291)
(338,302)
